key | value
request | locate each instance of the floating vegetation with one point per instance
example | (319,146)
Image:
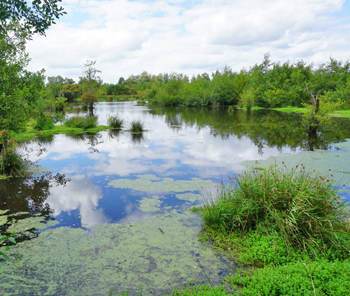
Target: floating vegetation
(152,183)
(67,261)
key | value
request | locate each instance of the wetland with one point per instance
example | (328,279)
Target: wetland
(109,210)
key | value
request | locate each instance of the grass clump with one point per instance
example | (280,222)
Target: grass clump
(81,122)
(137,126)
(115,121)
(302,209)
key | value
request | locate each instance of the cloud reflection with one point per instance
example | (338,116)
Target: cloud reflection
(80,195)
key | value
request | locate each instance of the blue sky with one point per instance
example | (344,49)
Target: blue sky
(131,36)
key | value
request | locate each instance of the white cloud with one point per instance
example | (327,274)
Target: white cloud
(128,37)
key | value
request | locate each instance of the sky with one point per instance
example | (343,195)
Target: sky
(128,37)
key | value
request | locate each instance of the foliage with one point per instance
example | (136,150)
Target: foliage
(3,239)
(115,121)
(89,99)
(299,207)
(35,17)
(44,122)
(137,126)
(71,91)
(89,75)
(10,162)
(81,122)
(319,277)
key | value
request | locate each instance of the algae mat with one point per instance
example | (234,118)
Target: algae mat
(160,253)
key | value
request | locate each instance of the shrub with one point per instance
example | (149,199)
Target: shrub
(81,122)
(137,126)
(115,122)
(302,208)
(89,99)
(11,162)
(320,277)
(44,122)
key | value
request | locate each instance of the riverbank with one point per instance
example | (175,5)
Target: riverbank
(338,113)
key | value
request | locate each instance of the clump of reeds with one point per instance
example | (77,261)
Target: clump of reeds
(137,126)
(301,207)
(115,121)
(81,122)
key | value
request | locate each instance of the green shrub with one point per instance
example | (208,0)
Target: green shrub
(11,163)
(115,121)
(301,208)
(89,99)
(137,126)
(319,277)
(204,290)
(44,122)
(81,122)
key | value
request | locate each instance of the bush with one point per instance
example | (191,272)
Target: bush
(320,277)
(299,207)
(89,99)
(10,162)
(44,122)
(81,122)
(137,126)
(115,122)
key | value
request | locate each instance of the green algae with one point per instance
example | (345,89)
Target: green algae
(150,204)
(325,162)
(189,197)
(150,183)
(160,253)
(23,225)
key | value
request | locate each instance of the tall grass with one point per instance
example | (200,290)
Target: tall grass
(137,126)
(11,163)
(300,207)
(115,121)
(81,122)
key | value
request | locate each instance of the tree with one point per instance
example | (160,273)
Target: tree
(89,73)
(35,17)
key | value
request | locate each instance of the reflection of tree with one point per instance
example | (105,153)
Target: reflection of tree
(28,196)
(114,134)
(264,128)
(89,139)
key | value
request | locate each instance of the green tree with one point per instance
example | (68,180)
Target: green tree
(35,16)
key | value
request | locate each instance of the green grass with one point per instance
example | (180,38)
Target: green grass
(85,123)
(137,126)
(302,208)
(290,109)
(115,121)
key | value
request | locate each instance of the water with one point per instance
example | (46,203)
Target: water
(108,211)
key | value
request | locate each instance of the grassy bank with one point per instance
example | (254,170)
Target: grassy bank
(289,224)
(31,133)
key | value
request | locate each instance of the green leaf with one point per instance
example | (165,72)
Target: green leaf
(5,256)
(11,240)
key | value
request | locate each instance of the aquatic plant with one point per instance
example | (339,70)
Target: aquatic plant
(137,126)
(3,240)
(301,208)
(81,122)
(115,121)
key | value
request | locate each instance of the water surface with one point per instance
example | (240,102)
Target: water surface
(108,211)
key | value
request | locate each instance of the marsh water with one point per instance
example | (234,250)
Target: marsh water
(108,212)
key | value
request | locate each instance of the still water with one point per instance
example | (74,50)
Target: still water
(108,211)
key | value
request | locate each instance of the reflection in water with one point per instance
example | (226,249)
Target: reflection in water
(264,128)
(22,198)
(137,138)
(78,195)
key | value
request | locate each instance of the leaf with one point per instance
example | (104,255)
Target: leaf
(5,256)
(11,240)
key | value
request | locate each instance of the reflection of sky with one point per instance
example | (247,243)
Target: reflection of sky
(182,154)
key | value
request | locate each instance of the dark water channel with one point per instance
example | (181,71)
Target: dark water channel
(107,211)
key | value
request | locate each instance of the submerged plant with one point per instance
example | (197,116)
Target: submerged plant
(115,121)
(302,208)
(137,126)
